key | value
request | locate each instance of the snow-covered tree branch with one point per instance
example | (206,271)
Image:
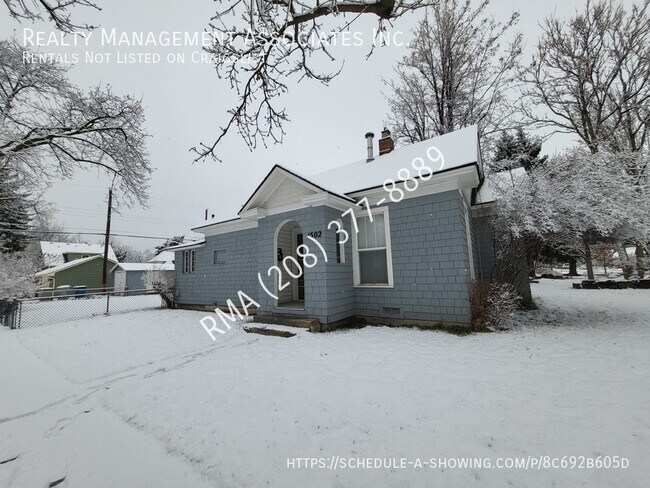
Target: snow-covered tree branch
(591,75)
(459,71)
(17,275)
(56,11)
(44,119)
(261,44)
(577,199)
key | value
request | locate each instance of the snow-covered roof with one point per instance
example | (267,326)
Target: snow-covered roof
(458,148)
(163,257)
(147,266)
(443,153)
(69,264)
(186,245)
(53,251)
(493,182)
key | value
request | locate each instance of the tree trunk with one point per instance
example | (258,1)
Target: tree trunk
(588,262)
(625,264)
(573,267)
(530,261)
(640,268)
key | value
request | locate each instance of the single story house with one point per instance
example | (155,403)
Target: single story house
(133,276)
(85,271)
(390,238)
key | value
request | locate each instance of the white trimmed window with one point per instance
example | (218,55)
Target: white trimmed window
(372,259)
(189,261)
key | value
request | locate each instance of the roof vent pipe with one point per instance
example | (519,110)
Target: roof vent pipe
(369,138)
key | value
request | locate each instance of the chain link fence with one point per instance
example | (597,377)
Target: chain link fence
(33,312)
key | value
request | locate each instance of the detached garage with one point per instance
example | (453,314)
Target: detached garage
(133,276)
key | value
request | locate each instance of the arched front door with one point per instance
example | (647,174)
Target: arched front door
(291,291)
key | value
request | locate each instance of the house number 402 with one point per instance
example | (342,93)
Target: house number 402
(317,233)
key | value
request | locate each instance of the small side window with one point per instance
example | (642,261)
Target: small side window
(220,256)
(189,261)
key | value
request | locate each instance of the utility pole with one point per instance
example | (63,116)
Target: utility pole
(107,237)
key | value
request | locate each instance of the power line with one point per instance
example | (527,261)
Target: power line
(151,198)
(33,231)
(131,218)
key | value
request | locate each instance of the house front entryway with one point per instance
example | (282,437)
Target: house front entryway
(290,289)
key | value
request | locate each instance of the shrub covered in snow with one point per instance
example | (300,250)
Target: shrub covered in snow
(492,303)
(162,281)
(17,275)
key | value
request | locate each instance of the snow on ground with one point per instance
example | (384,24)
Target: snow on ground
(146,399)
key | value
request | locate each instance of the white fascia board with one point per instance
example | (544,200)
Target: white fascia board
(458,179)
(319,199)
(228,227)
(253,214)
(327,199)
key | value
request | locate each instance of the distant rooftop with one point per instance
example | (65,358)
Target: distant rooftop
(53,252)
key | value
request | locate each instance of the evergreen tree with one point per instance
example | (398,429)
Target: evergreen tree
(172,241)
(15,214)
(518,150)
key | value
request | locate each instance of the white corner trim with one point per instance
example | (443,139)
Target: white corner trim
(470,247)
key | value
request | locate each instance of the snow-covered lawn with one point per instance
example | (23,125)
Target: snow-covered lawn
(35,312)
(147,400)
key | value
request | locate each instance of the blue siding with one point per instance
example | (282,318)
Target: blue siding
(429,252)
(430,262)
(213,284)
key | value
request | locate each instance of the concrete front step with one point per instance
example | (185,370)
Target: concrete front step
(311,323)
(269,331)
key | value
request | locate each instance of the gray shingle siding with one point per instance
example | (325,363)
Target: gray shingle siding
(213,284)
(430,262)
(429,255)
(485,245)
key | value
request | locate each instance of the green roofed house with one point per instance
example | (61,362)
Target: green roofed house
(72,265)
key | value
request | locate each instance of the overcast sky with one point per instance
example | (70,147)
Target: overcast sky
(186,103)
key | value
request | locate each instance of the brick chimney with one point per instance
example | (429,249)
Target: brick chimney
(386,143)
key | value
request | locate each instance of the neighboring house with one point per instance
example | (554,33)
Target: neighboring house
(85,271)
(55,253)
(74,264)
(132,276)
(412,263)
(165,257)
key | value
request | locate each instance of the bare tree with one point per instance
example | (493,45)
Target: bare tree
(261,44)
(46,228)
(591,76)
(57,11)
(44,119)
(458,72)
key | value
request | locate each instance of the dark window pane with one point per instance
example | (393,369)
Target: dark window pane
(338,247)
(373,268)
